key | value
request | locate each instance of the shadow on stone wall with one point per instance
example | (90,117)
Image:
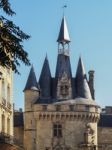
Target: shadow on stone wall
(4,146)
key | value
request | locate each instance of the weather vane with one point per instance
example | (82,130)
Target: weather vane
(64,6)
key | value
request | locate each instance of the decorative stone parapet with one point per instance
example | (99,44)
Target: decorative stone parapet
(70,116)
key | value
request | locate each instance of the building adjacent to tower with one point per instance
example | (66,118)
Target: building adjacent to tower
(60,112)
(6,101)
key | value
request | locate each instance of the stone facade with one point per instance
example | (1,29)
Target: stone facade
(6,101)
(74,125)
(75,128)
(7,140)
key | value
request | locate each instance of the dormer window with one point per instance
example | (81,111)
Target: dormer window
(64,89)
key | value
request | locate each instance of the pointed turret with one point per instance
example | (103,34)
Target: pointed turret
(45,80)
(82,87)
(63,73)
(63,38)
(31,83)
(63,61)
(63,34)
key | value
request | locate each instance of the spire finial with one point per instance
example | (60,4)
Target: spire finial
(64,6)
(46,56)
(63,36)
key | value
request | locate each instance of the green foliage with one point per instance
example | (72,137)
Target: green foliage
(11,38)
(5,5)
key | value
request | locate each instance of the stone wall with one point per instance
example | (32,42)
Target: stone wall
(72,134)
(74,125)
(105,138)
(9,147)
(19,134)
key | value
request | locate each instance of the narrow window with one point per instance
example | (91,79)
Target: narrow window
(64,89)
(3,123)
(8,126)
(8,93)
(3,89)
(57,130)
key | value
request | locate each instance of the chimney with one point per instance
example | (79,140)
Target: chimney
(20,110)
(91,83)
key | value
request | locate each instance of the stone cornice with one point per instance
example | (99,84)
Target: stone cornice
(70,116)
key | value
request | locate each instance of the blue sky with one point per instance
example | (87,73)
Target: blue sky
(90,28)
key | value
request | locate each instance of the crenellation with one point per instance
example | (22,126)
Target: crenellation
(67,108)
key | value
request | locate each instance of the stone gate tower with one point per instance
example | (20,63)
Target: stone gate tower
(60,111)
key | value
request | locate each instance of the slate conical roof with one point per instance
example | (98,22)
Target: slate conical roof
(63,66)
(63,34)
(31,83)
(45,79)
(82,86)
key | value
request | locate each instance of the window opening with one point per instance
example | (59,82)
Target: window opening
(57,130)
(71,107)
(58,107)
(64,89)
(3,123)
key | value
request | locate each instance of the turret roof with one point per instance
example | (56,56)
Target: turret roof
(82,86)
(63,66)
(31,83)
(45,69)
(63,34)
(45,79)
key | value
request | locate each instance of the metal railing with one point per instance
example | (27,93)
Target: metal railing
(63,51)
